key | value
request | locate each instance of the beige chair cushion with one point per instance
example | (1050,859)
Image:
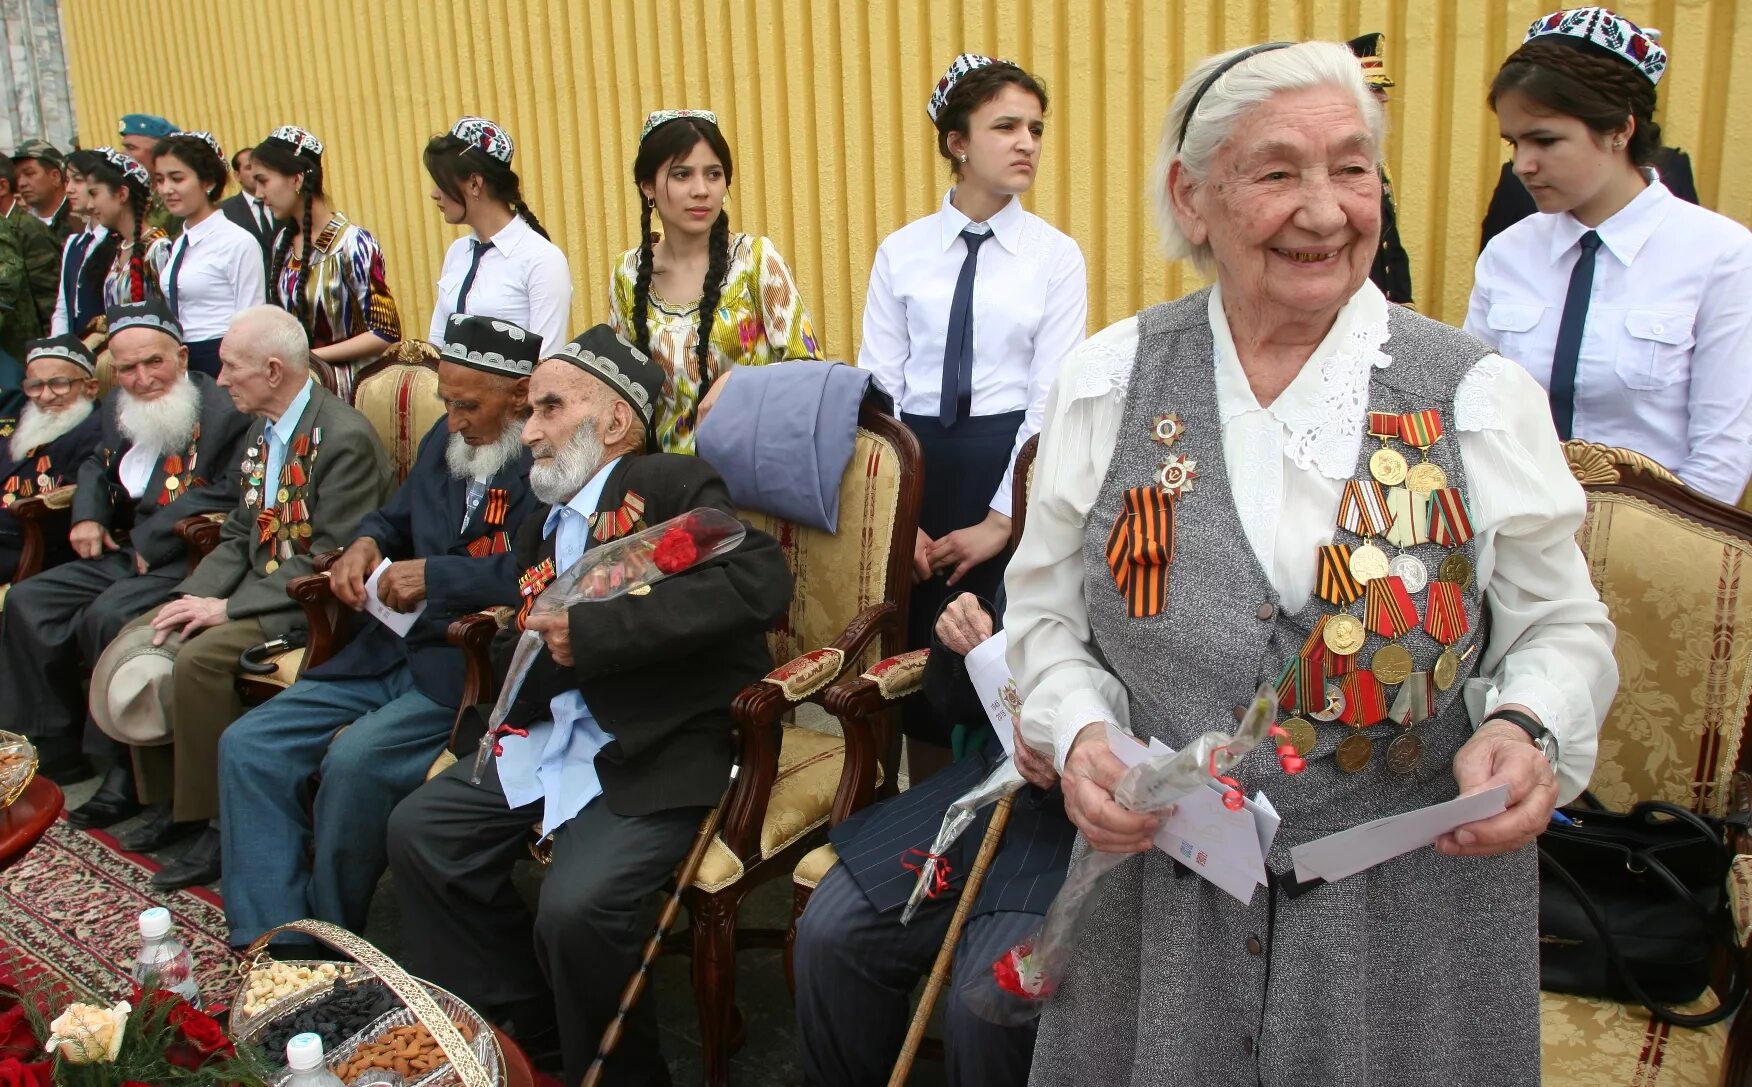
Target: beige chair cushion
(1597,1043)
(443,762)
(401,401)
(815,865)
(286,667)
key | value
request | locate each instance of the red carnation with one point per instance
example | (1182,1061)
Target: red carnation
(202,1038)
(15,1073)
(675,552)
(17,1039)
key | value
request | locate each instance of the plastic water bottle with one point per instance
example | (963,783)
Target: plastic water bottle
(164,962)
(304,1056)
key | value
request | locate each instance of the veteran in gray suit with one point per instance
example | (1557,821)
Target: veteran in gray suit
(312,468)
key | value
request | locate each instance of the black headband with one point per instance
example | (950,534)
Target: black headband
(1211,80)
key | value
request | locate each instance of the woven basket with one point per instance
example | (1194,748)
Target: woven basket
(480,1063)
(18,769)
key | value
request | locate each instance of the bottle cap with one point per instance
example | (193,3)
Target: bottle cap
(155,923)
(304,1052)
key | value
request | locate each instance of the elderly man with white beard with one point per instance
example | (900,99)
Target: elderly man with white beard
(444,545)
(170,444)
(47,440)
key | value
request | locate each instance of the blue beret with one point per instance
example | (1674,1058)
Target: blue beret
(147,124)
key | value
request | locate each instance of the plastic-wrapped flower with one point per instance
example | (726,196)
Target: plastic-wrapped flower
(85,1034)
(676,551)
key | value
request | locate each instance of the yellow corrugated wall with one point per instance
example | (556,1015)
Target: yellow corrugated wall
(823,105)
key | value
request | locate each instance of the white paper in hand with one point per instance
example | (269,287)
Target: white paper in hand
(1351,851)
(399,621)
(996,688)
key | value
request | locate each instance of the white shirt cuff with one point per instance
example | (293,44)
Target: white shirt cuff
(1074,714)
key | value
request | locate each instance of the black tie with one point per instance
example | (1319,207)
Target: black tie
(1569,336)
(957,394)
(175,271)
(266,220)
(474,266)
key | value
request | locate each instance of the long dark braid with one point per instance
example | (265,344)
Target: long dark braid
(282,254)
(642,281)
(522,209)
(137,254)
(299,303)
(280,157)
(716,265)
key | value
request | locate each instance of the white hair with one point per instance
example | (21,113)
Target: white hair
(1244,87)
(269,332)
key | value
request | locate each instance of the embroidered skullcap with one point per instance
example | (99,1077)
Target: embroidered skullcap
(623,368)
(146,124)
(210,140)
(67,348)
(491,345)
(152,313)
(664,116)
(134,172)
(1367,50)
(1606,30)
(41,150)
(958,68)
(302,141)
(486,137)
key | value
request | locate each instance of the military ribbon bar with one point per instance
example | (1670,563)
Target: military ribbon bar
(1364,702)
(1384,425)
(1450,525)
(1301,686)
(1416,700)
(1410,511)
(1421,428)
(1334,583)
(1363,508)
(1388,609)
(1445,615)
(1140,548)
(498,505)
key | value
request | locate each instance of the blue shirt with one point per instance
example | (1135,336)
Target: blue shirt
(276,435)
(556,762)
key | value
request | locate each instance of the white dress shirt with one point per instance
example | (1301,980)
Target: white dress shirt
(1550,645)
(135,468)
(1030,306)
(523,279)
(221,275)
(1663,367)
(556,762)
(62,322)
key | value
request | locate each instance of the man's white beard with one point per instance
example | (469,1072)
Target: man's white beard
(467,461)
(558,481)
(38,427)
(165,423)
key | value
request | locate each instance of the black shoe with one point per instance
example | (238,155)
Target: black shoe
(158,831)
(198,864)
(113,802)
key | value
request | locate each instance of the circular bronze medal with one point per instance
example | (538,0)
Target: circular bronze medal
(1447,669)
(1409,569)
(1343,634)
(1391,664)
(171,483)
(1334,705)
(1388,467)
(1403,753)
(1457,569)
(271,565)
(285,494)
(1369,562)
(45,481)
(1303,736)
(1426,477)
(1354,753)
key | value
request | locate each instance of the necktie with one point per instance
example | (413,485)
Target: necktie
(474,266)
(182,250)
(957,394)
(70,269)
(1569,336)
(266,220)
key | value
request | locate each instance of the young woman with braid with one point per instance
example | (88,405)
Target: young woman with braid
(506,266)
(326,270)
(1632,307)
(214,270)
(117,191)
(696,297)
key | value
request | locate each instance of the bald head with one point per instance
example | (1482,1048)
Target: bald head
(265,360)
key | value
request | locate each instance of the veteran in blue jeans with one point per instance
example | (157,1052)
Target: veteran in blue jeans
(372,719)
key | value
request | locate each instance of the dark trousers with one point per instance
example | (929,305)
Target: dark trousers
(204,357)
(856,970)
(56,624)
(451,849)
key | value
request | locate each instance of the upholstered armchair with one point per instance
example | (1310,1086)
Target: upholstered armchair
(35,515)
(848,610)
(1675,571)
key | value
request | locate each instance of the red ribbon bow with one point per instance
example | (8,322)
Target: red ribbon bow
(939,872)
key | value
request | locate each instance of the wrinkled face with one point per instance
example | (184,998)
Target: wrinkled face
(55,385)
(479,405)
(148,363)
(183,193)
(689,190)
(1562,161)
(247,375)
(562,398)
(139,148)
(1292,207)
(37,185)
(1002,144)
(277,190)
(108,204)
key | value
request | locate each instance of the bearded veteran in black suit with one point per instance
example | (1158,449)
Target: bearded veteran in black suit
(170,443)
(47,437)
(312,469)
(629,742)
(447,538)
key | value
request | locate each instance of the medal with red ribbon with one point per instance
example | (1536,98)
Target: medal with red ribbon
(1423,429)
(1386,465)
(1302,685)
(498,505)
(1388,609)
(530,583)
(1450,525)
(1445,615)
(1316,650)
(1364,701)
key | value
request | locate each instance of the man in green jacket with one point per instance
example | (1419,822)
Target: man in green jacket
(18,314)
(42,253)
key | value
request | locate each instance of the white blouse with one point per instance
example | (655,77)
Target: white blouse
(1550,645)
(523,279)
(1030,308)
(221,274)
(1663,364)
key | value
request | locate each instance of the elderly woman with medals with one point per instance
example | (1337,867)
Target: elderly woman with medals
(1283,479)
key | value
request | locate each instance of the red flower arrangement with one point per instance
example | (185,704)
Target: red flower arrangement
(155,1040)
(676,551)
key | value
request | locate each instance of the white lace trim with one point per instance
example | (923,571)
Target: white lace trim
(1326,432)
(1104,365)
(1475,404)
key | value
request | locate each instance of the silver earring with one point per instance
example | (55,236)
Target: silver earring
(964,160)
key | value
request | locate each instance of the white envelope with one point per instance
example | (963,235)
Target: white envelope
(1351,851)
(996,688)
(399,621)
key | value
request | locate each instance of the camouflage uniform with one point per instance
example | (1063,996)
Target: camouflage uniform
(42,261)
(19,322)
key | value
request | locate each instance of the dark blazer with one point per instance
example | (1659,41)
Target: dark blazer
(151,526)
(21,478)
(468,567)
(349,476)
(236,208)
(1511,202)
(1392,268)
(658,670)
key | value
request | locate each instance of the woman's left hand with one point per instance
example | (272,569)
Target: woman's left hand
(1500,753)
(712,394)
(965,548)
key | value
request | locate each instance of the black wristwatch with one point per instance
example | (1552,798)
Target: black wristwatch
(1538,733)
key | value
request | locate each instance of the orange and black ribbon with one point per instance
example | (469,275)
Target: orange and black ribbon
(612,526)
(1445,618)
(498,505)
(493,543)
(1334,582)
(1140,548)
(1388,609)
(530,584)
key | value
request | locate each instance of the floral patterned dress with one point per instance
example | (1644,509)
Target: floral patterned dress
(346,293)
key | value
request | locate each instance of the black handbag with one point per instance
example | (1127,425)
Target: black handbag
(1632,908)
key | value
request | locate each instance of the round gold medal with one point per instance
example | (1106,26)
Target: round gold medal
(1457,569)
(1303,736)
(1388,467)
(45,481)
(1391,664)
(171,483)
(1425,477)
(1354,753)
(284,494)
(1403,753)
(271,565)
(1369,562)
(1343,634)
(1334,705)
(1447,669)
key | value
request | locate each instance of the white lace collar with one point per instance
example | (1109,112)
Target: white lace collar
(1324,408)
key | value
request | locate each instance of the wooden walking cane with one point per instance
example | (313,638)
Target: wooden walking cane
(988,848)
(635,986)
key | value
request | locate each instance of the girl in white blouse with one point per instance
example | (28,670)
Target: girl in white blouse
(1632,308)
(214,270)
(969,314)
(506,266)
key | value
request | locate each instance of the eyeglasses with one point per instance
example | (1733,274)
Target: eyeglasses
(57,385)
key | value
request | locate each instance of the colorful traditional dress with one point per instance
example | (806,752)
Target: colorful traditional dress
(346,293)
(761,319)
(118,282)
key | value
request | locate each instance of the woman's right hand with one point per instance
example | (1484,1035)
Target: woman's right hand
(922,557)
(1091,772)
